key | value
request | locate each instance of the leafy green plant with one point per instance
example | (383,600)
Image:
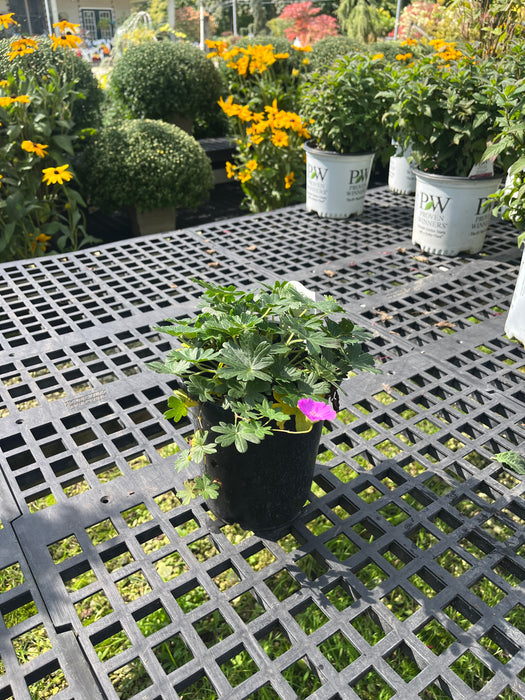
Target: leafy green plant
(509,147)
(39,205)
(165,80)
(85,113)
(344,106)
(325,51)
(257,355)
(440,105)
(149,164)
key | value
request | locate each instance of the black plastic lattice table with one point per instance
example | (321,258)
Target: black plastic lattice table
(419,532)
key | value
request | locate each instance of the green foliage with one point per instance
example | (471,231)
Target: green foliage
(34,214)
(444,110)
(360,19)
(345,107)
(325,51)
(85,112)
(144,163)
(513,460)
(256,354)
(163,79)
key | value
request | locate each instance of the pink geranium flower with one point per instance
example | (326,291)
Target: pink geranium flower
(316,410)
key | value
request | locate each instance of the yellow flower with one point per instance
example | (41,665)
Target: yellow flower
(302,48)
(4,83)
(67,41)
(378,56)
(306,61)
(257,138)
(1,176)
(6,20)
(403,56)
(251,165)
(244,176)
(20,47)
(5,101)
(38,148)
(295,72)
(58,175)
(23,99)
(230,169)
(409,42)
(280,139)
(289,180)
(63,25)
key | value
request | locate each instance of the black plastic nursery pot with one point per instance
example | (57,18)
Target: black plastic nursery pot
(266,487)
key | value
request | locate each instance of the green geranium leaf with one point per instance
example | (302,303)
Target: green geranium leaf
(246,363)
(200,446)
(240,434)
(158,367)
(182,460)
(177,408)
(512,459)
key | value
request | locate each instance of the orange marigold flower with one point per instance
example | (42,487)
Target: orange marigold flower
(63,26)
(57,175)
(66,41)
(6,20)
(20,47)
(289,180)
(38,149)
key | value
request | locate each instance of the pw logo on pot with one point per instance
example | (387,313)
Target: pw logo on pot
(315,172)
(434,202)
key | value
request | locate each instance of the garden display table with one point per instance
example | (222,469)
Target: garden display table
(404,575)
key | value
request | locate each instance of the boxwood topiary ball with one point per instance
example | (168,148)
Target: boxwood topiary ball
(146,164)
(163,79)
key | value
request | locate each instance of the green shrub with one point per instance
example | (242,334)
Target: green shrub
(86,112)
(325,51)
(144,163)
(162,79)
(391,49)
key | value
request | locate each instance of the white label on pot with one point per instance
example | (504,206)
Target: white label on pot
(484,169)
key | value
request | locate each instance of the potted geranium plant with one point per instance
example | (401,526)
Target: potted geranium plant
(344,113)
(260,370)
(441,108)
(147,167)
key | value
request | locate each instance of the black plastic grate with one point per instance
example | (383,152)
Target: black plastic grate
(404,574)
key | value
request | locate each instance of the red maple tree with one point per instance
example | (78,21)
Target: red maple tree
(308,25)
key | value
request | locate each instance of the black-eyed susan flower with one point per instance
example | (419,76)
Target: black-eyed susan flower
(66,41)
(289,180)
(38,149)
(58,175)
(6,101)
(21,47)
(23,99)
(64,27)
(6,20)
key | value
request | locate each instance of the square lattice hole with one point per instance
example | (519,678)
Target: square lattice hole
(472,671)
(110,641)
(339,651)
(238,667)
(453,563)
(427,582)
(509,571)
(463,614)
(312,565)
(370,626)
(173,653)
(93,607)
(259,557)
(130,679)
(393,514)
(282,584)
(302,678)
(133,586)
(152,618)
(341,595)
(309,616)
(422,538)
(191,596)
(136,515)
(203,549)
(274,640)
(78,577)
(405,662)
(247,606)
(67,548)
(396,555)
(400,603)
(31,644)
(372,685)
(170,566)
(212,628)
(11,577)
(435,636)
(116,557)
(371,575)
(499,645)
(102,531)
(487,590)
(342,547)
(48,678)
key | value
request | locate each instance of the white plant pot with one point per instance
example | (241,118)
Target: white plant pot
(336,183)
(515,324)
(401,177)
(450,215)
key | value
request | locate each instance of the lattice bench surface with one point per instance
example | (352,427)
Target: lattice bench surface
(404,574)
